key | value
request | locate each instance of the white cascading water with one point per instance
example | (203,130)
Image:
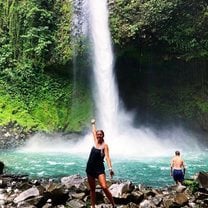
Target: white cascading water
(122,137)
(104,88)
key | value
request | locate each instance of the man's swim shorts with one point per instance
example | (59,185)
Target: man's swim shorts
(178,175)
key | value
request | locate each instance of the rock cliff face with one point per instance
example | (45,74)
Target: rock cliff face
(12,135)
(73,192)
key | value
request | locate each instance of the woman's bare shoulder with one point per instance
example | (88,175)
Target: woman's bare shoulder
(105,145)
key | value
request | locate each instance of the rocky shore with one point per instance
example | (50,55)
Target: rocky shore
(73,192)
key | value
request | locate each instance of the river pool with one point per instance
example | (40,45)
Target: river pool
(150,171)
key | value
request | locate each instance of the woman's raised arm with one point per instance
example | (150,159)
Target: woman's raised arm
(94,130)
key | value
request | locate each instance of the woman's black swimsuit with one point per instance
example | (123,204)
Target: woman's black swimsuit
(95,164)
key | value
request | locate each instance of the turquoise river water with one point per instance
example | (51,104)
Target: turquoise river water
(154,172)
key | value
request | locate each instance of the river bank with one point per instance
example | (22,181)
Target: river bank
(73,192)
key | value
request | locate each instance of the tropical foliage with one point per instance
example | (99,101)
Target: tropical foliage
(178,26)
(167,38)
(35,66)
(165,43)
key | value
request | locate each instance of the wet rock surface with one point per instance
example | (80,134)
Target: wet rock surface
(13,135)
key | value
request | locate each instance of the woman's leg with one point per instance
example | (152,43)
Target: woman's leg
(91,182)
(103,184)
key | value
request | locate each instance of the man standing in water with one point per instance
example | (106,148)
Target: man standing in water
(177,168)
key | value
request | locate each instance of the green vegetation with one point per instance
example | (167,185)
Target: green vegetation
(167,39)
(35,67)
(46,107)
(178,27)
(192,184)
(163,47)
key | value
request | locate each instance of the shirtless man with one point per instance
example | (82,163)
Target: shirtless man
(177,168)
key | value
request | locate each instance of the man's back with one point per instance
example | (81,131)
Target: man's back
(177,162)
(176,167)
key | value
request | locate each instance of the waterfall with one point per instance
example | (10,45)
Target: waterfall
(110,115)
(104,87)
(91,19)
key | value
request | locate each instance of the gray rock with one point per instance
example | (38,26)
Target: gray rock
(202,179)
(180,188)
(78,195)
(146,204)
(167,202)
(74,180)
(201,196)
(118,189)
(76,203)
(32,192)
(157,200)
(137,196)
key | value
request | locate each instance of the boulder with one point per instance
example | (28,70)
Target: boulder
(146,204)
(118,189)
(32,192)
(78,195)
(74,181)
(157,200)
(76,203)
(202,179)
(201,195)
(57,193)
(181,199)
(180,188)
(136,196)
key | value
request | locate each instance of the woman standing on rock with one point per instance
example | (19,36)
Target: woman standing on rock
(95,165)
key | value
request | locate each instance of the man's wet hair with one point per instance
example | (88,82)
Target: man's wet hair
(177,153)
